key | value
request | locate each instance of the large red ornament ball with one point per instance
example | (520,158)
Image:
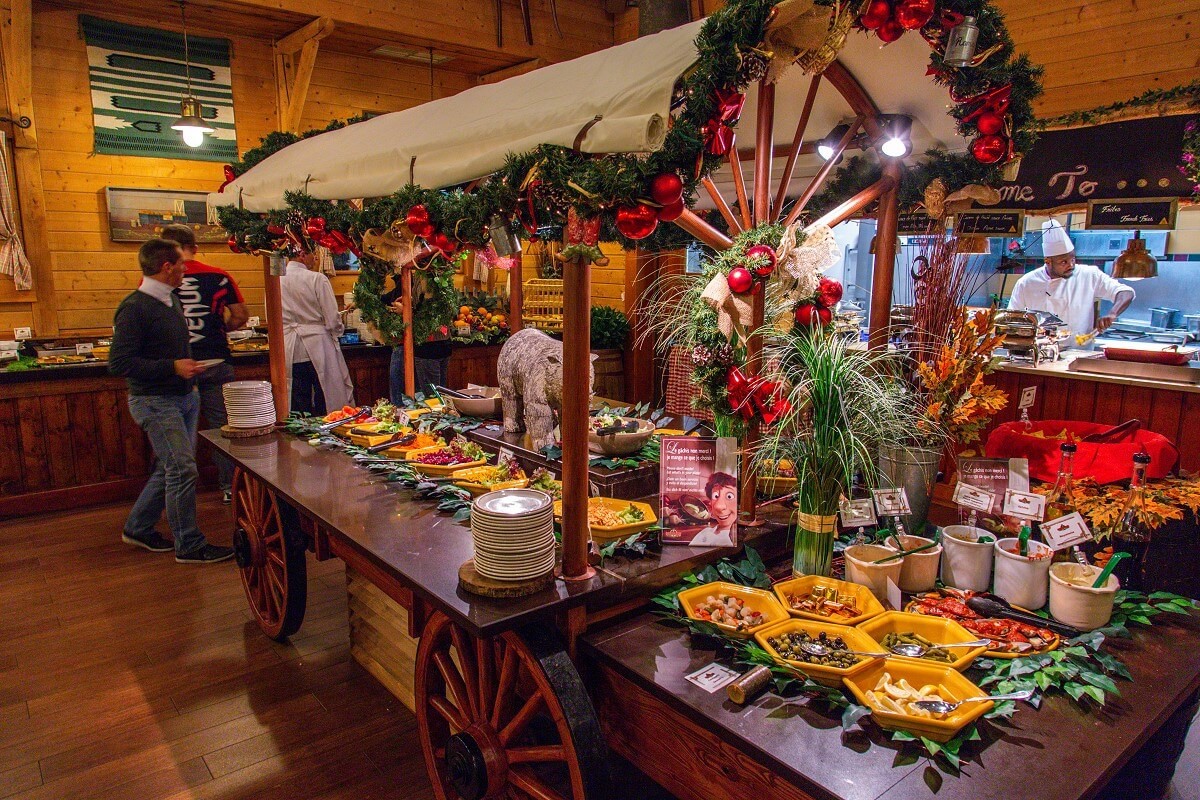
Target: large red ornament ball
(914,14)
(666,188)
(417,220)
(233,244)
(989,124)
(890,31)
(636,222)
(740,280)
(809,315)
(314,226)
(989,149)
(763,258)
(876,13)
(671,211)
(829,292)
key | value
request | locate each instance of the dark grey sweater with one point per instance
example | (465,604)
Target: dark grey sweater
(148,337)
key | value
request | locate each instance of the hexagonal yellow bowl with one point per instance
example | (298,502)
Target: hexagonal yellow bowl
(437,469)
(469,479)
(938,630)
(610,532)
(803,585)
(952,687)
(821,673)
(758,600)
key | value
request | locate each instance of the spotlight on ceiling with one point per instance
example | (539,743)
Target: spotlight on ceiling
(897,133)
(828,146)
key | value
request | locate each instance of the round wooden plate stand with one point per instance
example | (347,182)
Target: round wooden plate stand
(505,717)
(269,548)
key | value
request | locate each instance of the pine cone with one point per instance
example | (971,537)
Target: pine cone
(753,67)
(701,355)
(724,354)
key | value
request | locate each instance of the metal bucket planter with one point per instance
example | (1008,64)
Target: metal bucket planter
(914,469)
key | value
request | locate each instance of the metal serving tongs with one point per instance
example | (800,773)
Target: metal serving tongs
(398,440)
(364,411)
(1084,339)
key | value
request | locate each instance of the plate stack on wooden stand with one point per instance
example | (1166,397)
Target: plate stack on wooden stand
(513,534)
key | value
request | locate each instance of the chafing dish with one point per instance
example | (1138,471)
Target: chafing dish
(1031,336)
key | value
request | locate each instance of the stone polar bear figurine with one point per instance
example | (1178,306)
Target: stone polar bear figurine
(530,369)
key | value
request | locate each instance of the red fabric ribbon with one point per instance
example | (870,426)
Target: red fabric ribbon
(942,23)
(994,100)
(752,397)
(718,131)
(229,178)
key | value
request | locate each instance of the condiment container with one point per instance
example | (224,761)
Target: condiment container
(966,562)
(920,570)
(860,569)
(1075,602)
(1023,580)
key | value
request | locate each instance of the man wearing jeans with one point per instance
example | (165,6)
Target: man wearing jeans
(150,350)
(212,305)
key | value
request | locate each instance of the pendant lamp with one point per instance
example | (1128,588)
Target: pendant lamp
(1136,262)
(191,122)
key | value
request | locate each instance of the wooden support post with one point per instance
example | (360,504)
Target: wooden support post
(516,294)
(735,226)
(406,305)
(273,302)
(577,361)
(764,152)
(16,49)
(294,73)
(843,211)
(739,185)
(797,143)
(886,240)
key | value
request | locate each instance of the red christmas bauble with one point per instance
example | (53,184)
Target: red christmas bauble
(666,188)
(423,229)
(233,245)
(877,12)
(740,280)
(417,213)
(890,31)
(314,226)
(989,124)
(671,211)
(806,315)
(636,222)
(989,149)
(763,258)
(913,14)
(829,292)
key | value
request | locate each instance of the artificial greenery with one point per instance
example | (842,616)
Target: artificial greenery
(435,300)
(1157,101)
(610,328)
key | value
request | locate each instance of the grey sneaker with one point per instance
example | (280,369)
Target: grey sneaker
(227,496)
(209,554)
(151,541)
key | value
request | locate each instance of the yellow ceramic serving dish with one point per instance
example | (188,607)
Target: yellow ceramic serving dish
(613,504)
(470,478)
(914,605)
(821,673)
(357,434)
(938,630)
(437,469)
(758,600)
(951,686)
(803,586)
(422,442)
(773,485)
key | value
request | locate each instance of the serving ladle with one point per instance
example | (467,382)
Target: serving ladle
(814,649)
(942,707)
(919,651)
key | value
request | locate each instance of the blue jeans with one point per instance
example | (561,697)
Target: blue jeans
(212,405)
(170,423)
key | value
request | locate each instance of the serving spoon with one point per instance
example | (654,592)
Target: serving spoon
(919,651)
(814,649)
(942,707)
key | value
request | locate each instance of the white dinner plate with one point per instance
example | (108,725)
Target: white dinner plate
(210,362)
(513,502)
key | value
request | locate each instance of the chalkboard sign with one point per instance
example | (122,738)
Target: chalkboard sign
(1150,214)
(916,223)
(1002,222)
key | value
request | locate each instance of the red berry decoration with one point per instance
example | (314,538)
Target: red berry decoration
(829,292)
(876,13)
(740,280)
(671,211)
(666,188)
(763,259)
(914,14)
(636,222)
(989,149)
(989,124)
(233,245)
(806,315)
(890,31)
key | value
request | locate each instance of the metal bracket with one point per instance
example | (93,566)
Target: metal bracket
(21,121)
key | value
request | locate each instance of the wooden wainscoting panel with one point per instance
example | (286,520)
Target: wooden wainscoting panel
(379,639)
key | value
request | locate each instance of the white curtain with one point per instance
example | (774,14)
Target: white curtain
(13,261)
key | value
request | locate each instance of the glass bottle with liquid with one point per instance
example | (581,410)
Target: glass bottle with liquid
(1061,500)
(1132,533)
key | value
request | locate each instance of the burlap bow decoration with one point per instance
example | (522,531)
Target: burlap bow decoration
(802,257)
(796,27)
(734,312)
(395,245)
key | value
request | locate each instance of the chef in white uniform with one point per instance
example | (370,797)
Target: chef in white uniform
(318,380)
(1069,290)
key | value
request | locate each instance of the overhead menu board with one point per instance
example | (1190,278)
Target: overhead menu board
(1149,214)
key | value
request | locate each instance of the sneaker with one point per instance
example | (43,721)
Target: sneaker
(227,496)
(151,541)
(209,554)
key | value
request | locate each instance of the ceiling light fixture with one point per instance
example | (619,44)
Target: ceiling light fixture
(1136,262)
(897,132)
(828,146)
(191,122)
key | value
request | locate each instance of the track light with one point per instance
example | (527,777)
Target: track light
(897,132)
(828,146)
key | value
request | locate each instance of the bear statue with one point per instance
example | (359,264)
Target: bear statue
(530,369)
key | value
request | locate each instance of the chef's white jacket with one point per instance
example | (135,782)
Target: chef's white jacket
(311,327)
(1071,299)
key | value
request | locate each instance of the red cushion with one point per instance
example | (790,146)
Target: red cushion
(1106,462)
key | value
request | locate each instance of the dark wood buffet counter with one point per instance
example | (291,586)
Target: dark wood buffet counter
(67,440)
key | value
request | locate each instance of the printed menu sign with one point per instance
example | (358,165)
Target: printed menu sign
(1151,213)
(990,223)
(698,487)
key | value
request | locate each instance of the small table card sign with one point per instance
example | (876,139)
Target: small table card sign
(83,349)
(891,502)
(973,497)
(1066,531)
(1028,396)
(21,334)
(857,513)
(713,677)
(1024,505)
(253,322)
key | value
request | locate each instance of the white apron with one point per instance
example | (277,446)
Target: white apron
(326,359)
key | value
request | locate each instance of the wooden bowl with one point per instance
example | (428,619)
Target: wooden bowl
(622,444)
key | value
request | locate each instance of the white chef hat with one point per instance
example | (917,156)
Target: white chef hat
(1055,241)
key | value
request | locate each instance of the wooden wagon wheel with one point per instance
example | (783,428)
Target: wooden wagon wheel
(506,717)
(269,549)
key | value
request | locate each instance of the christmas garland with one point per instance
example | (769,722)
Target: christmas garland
(1154,101)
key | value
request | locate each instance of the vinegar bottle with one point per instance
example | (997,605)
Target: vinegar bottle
(1061,500)
(1133,534)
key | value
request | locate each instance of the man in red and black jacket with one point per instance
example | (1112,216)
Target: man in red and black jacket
(212,305)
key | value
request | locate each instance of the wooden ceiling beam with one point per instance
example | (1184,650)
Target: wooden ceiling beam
(511,72)
(316,30)
(293,73)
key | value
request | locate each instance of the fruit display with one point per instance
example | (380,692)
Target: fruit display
(481,321)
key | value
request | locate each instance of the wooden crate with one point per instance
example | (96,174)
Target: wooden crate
(379,638)
(542,306)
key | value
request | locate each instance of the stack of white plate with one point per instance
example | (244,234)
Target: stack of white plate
(513,531)
(249,404)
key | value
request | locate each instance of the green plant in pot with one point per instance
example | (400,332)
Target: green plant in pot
(845,403)
(610,328)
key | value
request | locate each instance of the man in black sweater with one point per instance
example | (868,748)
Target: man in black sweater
(150,350)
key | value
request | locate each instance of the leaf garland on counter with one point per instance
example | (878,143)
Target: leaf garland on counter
(1167,499)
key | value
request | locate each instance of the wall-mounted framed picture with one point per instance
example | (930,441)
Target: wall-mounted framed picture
(135,215)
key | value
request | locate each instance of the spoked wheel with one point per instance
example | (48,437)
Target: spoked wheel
(269,548)
(505,717)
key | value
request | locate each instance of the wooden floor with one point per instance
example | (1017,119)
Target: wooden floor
(126,675)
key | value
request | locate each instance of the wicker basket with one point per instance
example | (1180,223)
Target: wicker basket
(543,305)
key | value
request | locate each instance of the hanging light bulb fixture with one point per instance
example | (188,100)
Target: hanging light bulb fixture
(1135,263)
(191,122)
(960,46)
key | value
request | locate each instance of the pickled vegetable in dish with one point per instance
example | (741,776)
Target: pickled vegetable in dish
(826,601)
(725,609)
(893,639)
(790,646)
(602,516)
(900,697)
